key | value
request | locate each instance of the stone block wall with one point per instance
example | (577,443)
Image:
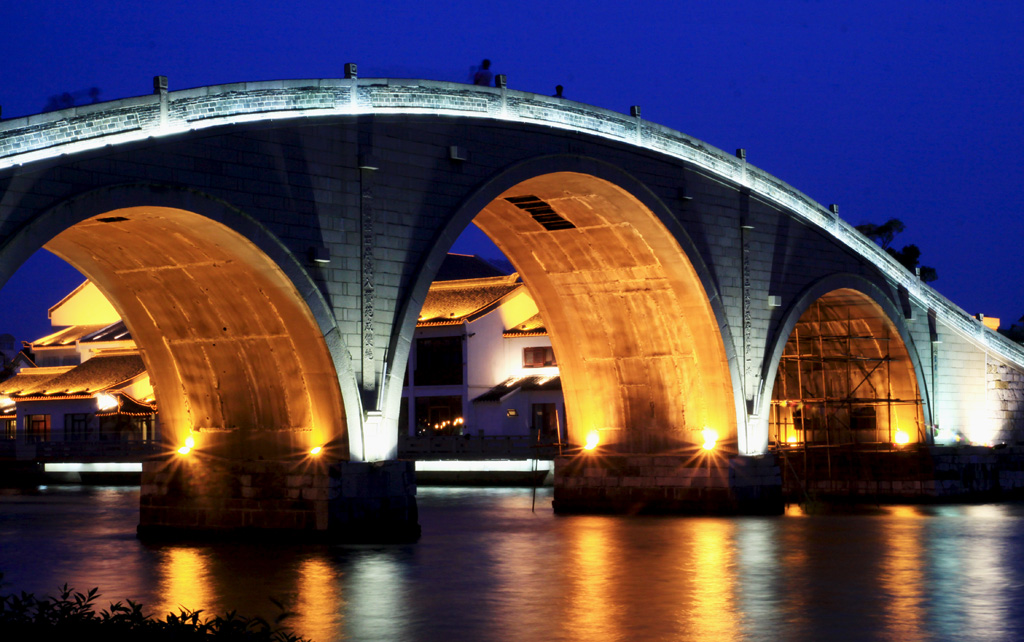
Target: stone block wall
(938,474)
(185,494)
(373,502)
(1006,402)
(599,483)
(307,500)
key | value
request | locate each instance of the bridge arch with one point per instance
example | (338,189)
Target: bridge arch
(878,345)
(194,280)
(648,380)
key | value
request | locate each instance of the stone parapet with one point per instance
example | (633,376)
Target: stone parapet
(689,484)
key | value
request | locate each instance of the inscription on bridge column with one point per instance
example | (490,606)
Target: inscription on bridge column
(748,324)
(368,284)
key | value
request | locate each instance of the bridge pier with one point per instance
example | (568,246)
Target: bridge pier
(368,502)
(684,484)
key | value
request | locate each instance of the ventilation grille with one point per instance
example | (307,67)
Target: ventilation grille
(541,212)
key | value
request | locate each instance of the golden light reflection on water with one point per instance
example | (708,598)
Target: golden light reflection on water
(794,565)
(713,566)
(184,581)
(900,573)
(987,583)
(320,605)
(593,599)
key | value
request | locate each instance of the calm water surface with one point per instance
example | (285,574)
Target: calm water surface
(487,568)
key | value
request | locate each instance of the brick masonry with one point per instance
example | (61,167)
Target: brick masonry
(1005,396)
(960,473)
(690,483)
(341,502)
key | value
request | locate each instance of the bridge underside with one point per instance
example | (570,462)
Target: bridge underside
(245,385)
(236,358)
(640,354)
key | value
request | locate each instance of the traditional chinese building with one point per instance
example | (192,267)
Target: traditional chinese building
(87,383)
(481,363)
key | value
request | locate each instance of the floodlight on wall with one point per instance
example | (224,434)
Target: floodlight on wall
(511,412)
(710,436)
(457,153)
(106,401)
(774,301)
(190,443)
(368,161)
(319,254)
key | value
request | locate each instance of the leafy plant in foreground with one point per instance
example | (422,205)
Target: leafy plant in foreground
(73,615)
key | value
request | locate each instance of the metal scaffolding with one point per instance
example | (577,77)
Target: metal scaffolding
(844,387)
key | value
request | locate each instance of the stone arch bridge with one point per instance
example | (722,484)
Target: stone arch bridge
(270,244)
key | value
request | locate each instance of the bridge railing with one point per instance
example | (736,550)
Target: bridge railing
(38,137)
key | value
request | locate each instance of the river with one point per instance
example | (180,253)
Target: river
(489,567)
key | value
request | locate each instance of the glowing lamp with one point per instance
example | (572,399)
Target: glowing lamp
(190,443)
(791,439)
(6,401)
(593,439)
(316,450)
(710,438)
(106,401)
(901,438)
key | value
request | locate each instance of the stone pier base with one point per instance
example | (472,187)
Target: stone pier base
(685,484)
(938,474)
(187,498)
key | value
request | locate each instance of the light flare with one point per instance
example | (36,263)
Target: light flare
(710,438)
(593,439)
(106,401)
(190,443)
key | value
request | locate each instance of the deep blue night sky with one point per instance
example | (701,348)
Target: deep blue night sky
(910,110)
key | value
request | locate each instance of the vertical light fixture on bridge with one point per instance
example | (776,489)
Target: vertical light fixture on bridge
(501,81)
(351,71)
(634,111)
(741,154)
